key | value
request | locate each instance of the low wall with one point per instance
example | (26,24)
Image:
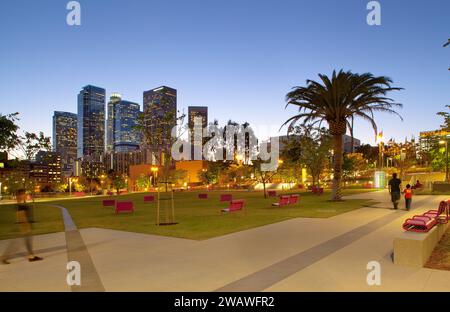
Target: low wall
(414,249)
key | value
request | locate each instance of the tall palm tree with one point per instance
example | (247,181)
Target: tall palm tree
(337,100)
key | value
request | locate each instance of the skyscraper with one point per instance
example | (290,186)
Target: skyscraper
(160,113)
(91,122)
(200,112)
(113,100)
(126,136)
(65,137)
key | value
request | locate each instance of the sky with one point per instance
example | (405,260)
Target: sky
(238,57)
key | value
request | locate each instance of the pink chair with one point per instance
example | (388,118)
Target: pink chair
(441,214)
(272,193)
(226,197)
(283,201)
(125,206)
(109,202)
(149,198)
(235,205)
(203,196)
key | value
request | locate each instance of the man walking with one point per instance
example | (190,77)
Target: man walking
(24,221)
(394,189)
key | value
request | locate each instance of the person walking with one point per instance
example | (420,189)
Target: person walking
(394,189)
(408,196)
(24,220)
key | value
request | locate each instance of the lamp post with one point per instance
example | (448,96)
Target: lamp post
(445,142)
(154,170)
(380,149)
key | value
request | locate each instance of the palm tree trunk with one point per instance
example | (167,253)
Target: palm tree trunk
(337,166)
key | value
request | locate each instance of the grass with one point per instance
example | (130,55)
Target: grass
(440,258)
(197,218)
(47,220)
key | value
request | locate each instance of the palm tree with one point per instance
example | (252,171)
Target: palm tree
(337,101)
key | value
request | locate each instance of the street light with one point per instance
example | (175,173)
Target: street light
(445,142)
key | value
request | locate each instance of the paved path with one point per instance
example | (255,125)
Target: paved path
(77,251)
(294,255)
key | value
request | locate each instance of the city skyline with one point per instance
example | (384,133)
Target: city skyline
(229,65)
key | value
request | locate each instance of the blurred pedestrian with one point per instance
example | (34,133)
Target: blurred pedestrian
(24,220)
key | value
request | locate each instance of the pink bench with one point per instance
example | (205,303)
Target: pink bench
(226,197)
(425,222)
(293,199)
(125,206)
(283,201)
(272,193)
(235,205)
(109,202)
(149,198)
(203,196)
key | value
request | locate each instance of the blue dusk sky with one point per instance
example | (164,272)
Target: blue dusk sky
(238,57)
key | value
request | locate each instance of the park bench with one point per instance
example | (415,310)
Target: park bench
(422,233)
(203,196)
(235,205)
(282,201)
(272,193)
(425,222)
(226,197)
(109,202)
(149,198)
(79,194)
(124,206)
(293,199)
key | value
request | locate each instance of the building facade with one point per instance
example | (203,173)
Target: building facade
(113,100)
(160,116)
(126,137)
(347,144)
(65,138)
(429,139)
(199,113)
(91,123)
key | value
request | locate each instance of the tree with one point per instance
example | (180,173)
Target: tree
(311,149)
(119,182)
(262,176)
(8,132)
(336,100)
(31,143)
(353,164)
(370,153)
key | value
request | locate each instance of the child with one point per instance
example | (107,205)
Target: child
(408,196)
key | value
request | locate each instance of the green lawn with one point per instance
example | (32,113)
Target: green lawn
(197,218)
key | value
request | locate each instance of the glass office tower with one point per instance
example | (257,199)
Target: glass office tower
(91,123)
(126,136)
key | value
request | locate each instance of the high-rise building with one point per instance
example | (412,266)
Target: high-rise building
(126,136)
(65,137)
(113,100)
(197,113)
(91,123)
(160,114)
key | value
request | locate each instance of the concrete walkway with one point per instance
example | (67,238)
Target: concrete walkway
(295,255)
